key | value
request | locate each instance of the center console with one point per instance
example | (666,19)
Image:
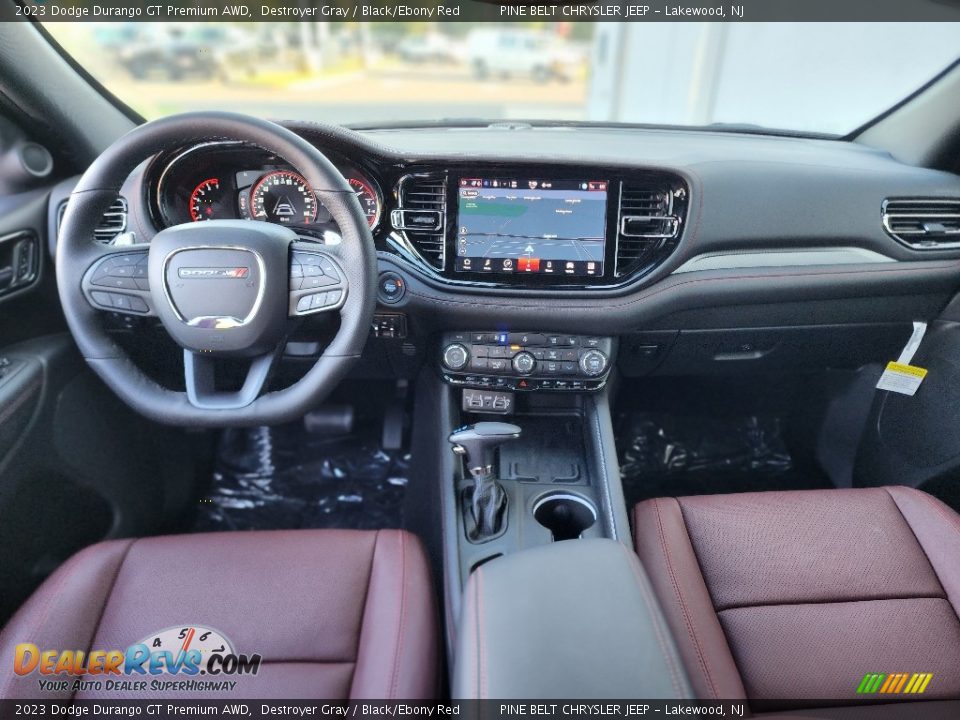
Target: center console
(524,361)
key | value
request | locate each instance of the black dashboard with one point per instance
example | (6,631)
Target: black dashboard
(704,245)
(482,224)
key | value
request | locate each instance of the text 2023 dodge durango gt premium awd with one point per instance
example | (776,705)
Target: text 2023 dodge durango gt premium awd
(473,409)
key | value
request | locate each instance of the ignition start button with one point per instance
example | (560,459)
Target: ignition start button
(391,288)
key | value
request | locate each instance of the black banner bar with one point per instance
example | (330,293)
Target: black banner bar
(483,11)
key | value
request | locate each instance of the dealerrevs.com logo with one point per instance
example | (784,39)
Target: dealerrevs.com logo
(172,659)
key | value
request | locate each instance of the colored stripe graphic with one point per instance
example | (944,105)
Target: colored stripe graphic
(894,683)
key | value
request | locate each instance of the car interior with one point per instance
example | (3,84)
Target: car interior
(482,410)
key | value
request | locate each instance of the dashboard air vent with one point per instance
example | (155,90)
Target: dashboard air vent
(421,216)
(923,224)
(113,223)
(648,221)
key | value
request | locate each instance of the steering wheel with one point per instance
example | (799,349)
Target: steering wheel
(221,288)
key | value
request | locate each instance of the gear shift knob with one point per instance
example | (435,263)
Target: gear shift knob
(478,444)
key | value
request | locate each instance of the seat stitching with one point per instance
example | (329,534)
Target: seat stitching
(655,621)
(103,610)
(928,500)
(780,603)
(403,615)
(683,606)
(363,611)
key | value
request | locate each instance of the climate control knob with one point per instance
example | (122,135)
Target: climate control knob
(455,356)
(593,363)
(524,363)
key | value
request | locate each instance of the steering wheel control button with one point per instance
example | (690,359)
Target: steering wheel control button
(123,272)
(391,288)
(120,302)
(314,271)
(455,357)
(526,361)
(593,363)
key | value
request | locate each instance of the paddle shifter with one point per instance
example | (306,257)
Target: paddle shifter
(478,445)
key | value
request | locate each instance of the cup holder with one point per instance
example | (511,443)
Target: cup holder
(565,515)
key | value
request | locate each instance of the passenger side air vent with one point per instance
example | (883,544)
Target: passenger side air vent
(649,220)
(923,224)
(421,217)
(113,223)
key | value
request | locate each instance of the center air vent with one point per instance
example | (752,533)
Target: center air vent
(113,222)
(923,224)
(648,222)
(422,215)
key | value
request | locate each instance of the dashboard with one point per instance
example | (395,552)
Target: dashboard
(695,251)
(609,231)
(479,224)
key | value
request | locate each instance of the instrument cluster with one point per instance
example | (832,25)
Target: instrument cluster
(230,181)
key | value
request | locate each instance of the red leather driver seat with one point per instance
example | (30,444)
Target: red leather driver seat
(335,614)
(795,596)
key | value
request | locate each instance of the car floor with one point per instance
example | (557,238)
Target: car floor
(678,437)
(289,477)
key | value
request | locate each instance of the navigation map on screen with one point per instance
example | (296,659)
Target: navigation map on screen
(507,225)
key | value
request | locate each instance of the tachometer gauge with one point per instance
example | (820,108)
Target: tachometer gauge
(206,201)
(283,196)
(368,197)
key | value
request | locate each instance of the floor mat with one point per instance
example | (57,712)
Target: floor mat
(286,477)
(663,455)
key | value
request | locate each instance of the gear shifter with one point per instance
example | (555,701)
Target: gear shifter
(478,445)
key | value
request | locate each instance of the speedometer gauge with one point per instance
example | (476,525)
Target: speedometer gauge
(206,200)
(369,200)
(283,196)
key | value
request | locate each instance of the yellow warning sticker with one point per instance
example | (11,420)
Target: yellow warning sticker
(907,369)
(901,378)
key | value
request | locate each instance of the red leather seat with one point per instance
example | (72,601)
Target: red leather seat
(793,596)
(335,614)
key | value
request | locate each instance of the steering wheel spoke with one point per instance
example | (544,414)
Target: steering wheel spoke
(200,376)
(317,282)
(117,281)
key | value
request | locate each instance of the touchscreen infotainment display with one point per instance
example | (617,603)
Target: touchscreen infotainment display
(541,226)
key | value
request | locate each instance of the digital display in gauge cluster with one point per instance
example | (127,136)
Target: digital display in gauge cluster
(233,183)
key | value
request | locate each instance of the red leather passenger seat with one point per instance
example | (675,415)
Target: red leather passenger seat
(786,596)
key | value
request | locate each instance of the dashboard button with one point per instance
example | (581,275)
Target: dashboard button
(527,339)
(497,365)
(455,356)
(593,363)
(391,288)
(524,363)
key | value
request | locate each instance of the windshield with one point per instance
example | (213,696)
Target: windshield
(805,77)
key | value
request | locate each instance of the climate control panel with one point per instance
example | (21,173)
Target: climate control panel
(526,361)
